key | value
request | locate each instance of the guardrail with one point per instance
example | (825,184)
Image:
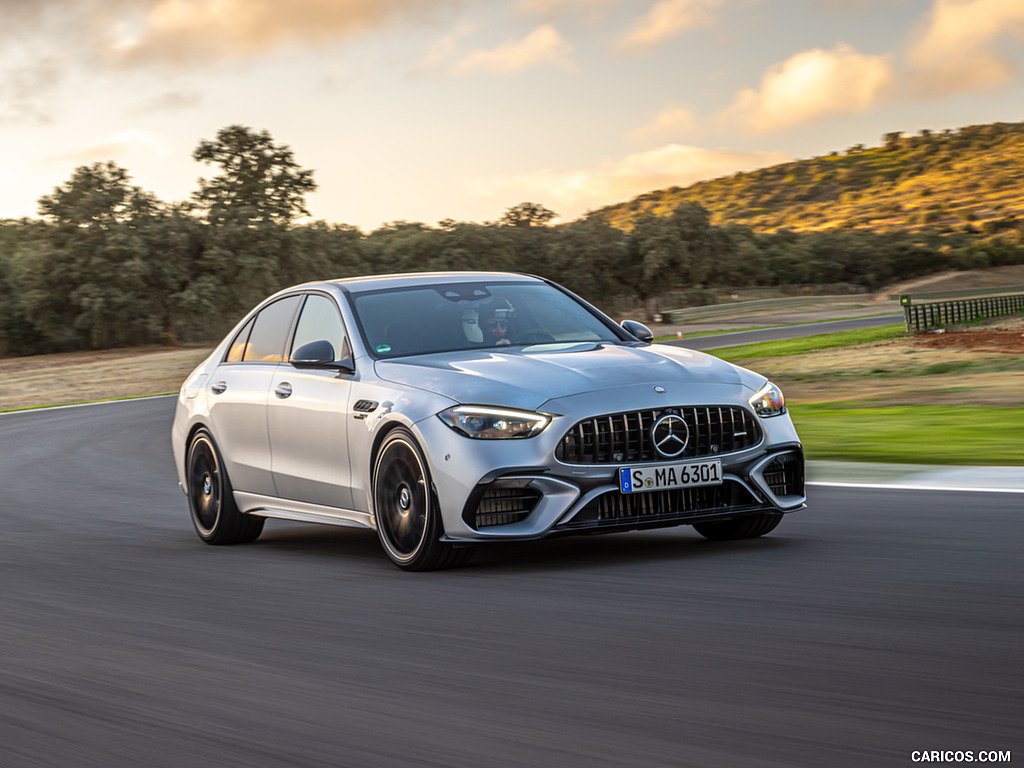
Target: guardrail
(938,314)
(965,293)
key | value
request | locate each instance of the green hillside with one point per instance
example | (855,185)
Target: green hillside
(971,179)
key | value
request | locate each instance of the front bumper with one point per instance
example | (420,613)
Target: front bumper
(501,490)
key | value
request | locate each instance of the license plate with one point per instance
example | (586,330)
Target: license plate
(668,476)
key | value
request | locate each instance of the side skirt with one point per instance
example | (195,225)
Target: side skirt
(299,511)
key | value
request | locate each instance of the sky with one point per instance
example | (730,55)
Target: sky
(425,110)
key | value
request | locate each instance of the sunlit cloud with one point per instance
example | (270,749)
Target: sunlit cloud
(123,146)
(542,47)
(958,46)
(185,32)
(665,20)
(442,51)
(812,85)
(572,193)
(557,8)
(667,124)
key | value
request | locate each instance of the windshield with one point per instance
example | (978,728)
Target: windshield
(457,316)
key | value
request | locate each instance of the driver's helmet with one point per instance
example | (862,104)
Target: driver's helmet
(495,318)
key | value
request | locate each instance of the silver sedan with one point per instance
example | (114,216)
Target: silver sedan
(445,410)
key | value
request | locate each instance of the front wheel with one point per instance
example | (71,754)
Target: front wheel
(748,527)
(215,515)
(408,519)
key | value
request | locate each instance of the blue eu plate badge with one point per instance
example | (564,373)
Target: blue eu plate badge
(625,480)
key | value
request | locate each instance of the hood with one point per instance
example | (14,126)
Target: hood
(530,376)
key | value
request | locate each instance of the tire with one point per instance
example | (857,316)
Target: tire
(748,527)
(408,518)
(211,503)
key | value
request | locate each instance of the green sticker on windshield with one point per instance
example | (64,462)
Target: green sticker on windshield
(383,348)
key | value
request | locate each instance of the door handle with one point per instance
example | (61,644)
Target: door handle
(219,387)
(283,390)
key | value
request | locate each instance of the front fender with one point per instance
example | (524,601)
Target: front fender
(396,407)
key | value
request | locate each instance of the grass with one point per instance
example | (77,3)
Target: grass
(842,419)
(914,434)
(789,347)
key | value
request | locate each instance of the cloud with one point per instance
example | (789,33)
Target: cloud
(553,8)
(668,124)
(23,90)
(186,32)
(574,192)
(957,50)
(445,49)
(812,85)
(172,101)
(127,144)
(665,20)
(543,46)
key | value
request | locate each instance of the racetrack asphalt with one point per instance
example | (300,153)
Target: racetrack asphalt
(876,623)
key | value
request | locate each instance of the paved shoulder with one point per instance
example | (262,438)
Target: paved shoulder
(916,476)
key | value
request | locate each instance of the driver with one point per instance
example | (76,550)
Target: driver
(494,321)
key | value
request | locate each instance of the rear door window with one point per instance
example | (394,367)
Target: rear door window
(237,348)
(270,331)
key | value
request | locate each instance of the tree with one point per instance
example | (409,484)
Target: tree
(95,244)
(18,335)
(590,257)
(892,140)
(248,208)
(259,183)
(527,215)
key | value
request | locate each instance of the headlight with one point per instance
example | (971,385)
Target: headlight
(768,401)
(485,423)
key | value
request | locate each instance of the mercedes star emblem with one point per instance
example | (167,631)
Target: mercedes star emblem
(670,435)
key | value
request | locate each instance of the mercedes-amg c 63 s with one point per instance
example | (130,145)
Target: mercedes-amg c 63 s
(445,410)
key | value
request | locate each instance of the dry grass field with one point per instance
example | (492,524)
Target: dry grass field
(981,365)
(76,377)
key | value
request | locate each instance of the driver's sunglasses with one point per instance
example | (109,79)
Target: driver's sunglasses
(497,324)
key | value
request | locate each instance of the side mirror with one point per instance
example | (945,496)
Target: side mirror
(639,330)
(319,354)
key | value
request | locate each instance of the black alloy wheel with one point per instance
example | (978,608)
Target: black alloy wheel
(215,515)
(408,519)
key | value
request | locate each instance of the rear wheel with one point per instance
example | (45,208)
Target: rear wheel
(408,518)
(215,515)
(748,527)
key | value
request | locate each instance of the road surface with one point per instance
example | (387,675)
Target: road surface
(871,625)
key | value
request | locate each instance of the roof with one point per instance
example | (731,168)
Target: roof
(405,280)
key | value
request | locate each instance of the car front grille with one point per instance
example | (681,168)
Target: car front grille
(652,508)
(626,437)
(785,475)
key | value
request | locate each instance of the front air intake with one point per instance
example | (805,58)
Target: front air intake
(504,504)
(784,475)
